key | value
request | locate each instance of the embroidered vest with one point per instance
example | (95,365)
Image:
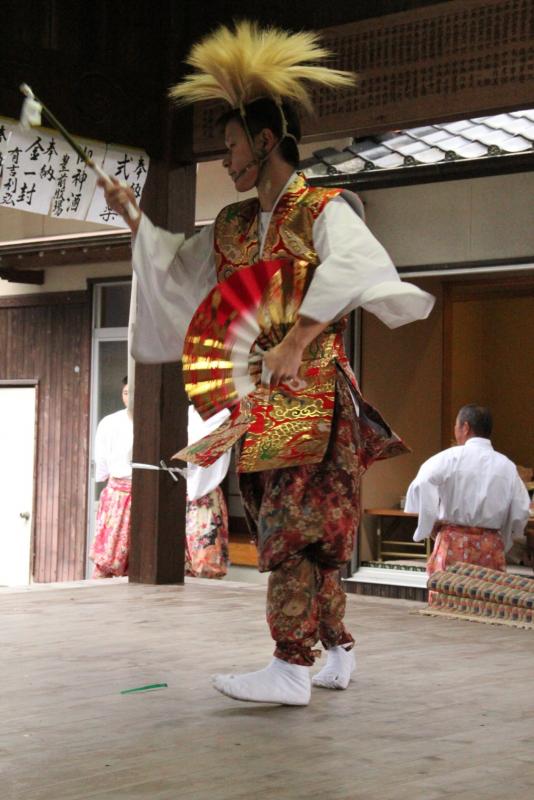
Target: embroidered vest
(290,427)
(237,239)
(287,428)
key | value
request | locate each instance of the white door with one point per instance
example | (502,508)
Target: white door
(17,446)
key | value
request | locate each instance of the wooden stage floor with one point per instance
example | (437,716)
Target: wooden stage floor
(439,708)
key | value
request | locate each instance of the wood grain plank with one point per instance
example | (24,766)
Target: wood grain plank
(43,340)
(425,717)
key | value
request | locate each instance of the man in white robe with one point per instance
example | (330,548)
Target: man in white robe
(113,457)
(469,497)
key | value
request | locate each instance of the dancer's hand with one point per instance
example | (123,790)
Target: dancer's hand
(285,358)
(283,361)
(118,197)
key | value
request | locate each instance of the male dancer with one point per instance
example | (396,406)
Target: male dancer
(304,516)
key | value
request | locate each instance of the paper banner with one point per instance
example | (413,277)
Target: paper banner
(76,182)
(5,134)
(30,169)
(41,173)
(125,165)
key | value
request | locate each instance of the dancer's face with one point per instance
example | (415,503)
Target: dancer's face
(239,160)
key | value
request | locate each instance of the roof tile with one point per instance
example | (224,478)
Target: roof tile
(500,134)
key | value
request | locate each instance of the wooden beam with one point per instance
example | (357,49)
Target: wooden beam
(464,289)
(160,415)
(44,299)
(514,268)
(35,276)
(158,502)
(58,251)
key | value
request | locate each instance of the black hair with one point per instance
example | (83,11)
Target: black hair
(125,380)
(478,418)
(265,113)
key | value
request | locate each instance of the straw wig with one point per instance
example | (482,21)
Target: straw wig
(247,62)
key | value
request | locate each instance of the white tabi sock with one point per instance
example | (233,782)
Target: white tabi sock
(280,682)
(336,673)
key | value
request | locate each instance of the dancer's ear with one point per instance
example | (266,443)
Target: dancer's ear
(266,141)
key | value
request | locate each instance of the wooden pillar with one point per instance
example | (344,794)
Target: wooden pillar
(160,413)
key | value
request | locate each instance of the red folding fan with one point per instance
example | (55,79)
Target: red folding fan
(240,318)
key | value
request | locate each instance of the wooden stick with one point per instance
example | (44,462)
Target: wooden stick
(26,90)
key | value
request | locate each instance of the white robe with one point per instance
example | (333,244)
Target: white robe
(202,480)
(174,275)
(113,446)
(473,485)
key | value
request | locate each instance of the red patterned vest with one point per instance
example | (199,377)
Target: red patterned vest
(291,427)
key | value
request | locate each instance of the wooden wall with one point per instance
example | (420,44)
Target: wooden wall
(105,74)
(48,338)
(489,352)
(451,60)
(401,375)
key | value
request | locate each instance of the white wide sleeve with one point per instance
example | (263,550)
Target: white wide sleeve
(102,451)
(173,276)
(202,480)
(422,497)
(355,270)
(517,518)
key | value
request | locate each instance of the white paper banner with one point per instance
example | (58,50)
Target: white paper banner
(30,171)
(40,172)
(76,182)
(5,134)
(125,165)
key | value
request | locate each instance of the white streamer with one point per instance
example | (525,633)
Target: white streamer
(163,468)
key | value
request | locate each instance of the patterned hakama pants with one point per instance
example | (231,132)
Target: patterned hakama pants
(111,545)
(206,536)
(304,520)
(454,543)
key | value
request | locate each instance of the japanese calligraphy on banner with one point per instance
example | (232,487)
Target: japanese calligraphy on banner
(40,173)
(31,160)
(5,135)
(75,184)
(125,166)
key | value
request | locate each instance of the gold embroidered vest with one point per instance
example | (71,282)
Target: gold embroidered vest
(284,428)
(288,428)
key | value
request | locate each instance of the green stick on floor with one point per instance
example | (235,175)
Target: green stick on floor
(149,688)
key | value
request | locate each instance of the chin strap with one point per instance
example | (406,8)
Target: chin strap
(260,159)
(285,132)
